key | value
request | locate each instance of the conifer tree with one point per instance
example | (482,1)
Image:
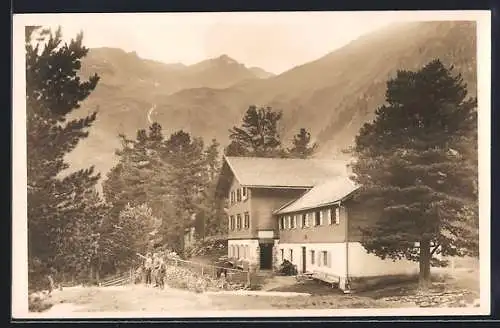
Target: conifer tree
(185,157)
(209,217)
(53,90)
(417,164)
(301,147)
(169,175)
(258,134)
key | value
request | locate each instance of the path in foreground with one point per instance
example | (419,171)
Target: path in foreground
(140,298)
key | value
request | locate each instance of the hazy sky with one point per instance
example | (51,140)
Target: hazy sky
(273,41)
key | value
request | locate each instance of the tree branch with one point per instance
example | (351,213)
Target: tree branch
(434,249)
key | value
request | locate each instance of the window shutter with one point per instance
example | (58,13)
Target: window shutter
(337,215)
(296,217)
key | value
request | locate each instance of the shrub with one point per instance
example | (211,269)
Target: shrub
(39,302)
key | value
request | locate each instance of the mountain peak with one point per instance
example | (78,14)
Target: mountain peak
(226,59)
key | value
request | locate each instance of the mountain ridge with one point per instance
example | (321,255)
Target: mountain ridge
(331,96)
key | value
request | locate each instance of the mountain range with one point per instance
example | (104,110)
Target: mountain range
(332,96)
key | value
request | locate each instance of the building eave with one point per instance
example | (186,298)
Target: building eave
(335,202)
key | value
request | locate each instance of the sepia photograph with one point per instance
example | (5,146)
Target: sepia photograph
(251,164)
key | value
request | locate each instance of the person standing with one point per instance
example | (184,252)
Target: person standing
(160,271)
(148,267)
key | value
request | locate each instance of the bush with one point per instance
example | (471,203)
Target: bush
(207,247)
(39,302)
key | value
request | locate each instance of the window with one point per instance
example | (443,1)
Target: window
(303,221)
(282,223)
(317,218)
(247,220)
(292,222)
(244,192)
(282,255)
(331,218)
(291,255)
(232,197)
(325,258)
(231,222)
(238,221)
(312,257)
(288,222)
(238,195)
(324,216)
(337,215)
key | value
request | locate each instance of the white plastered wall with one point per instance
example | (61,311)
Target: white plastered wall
(360,264)
(247,249)
(363,264)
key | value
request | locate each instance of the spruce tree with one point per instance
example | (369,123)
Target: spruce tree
(417,164)
(185,156)
(258,134)
(142,176)
(209,217)
(53,90)
(301,147)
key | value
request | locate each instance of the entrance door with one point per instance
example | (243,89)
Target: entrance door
(304,259)
(266,256)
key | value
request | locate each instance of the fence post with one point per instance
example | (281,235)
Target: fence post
(248,278)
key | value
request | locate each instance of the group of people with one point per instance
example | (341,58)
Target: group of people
(155,268)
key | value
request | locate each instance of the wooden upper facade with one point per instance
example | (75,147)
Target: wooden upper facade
(250,210)
(256,187)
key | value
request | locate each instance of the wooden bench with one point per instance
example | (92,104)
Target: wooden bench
(326,277)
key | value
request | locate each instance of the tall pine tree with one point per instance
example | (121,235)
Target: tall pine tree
(417,163)
(210,215)
(186,158)
(301,146)
(53,90)
(258,134)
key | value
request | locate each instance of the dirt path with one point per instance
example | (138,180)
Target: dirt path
(126,298)
(80,301)
(279,293)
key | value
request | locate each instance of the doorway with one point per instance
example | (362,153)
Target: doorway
(304,259)
(266,256)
